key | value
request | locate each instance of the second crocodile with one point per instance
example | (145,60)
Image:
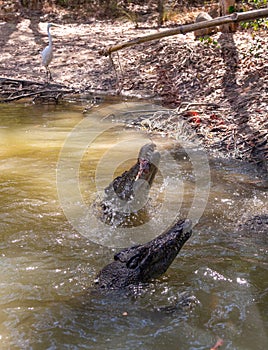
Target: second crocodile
(142,263)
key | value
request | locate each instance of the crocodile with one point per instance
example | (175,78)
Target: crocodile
(142,263)
(127,194)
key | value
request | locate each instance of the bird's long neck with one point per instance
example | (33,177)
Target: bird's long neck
(49,37)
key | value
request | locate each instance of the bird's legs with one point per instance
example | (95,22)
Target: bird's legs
(48,75)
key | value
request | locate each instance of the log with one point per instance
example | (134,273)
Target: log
(186,28)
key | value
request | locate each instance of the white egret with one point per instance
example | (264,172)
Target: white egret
(47,53)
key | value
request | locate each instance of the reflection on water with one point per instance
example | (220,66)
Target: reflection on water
(48,264)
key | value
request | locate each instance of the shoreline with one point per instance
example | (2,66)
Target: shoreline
(218,86)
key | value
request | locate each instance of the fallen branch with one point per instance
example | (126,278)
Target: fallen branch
(30,94)
(183,29)
(7,81)
(4,80)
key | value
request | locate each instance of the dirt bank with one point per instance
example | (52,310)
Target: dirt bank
(219,86)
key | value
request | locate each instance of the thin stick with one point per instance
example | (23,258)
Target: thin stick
(116,74)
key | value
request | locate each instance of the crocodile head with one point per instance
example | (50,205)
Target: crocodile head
(127,186)
(142,263)
(127,195)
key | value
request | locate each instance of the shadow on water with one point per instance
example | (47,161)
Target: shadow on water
(47,266)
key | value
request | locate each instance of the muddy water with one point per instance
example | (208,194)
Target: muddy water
(53,163)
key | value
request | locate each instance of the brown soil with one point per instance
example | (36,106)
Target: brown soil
(219,87)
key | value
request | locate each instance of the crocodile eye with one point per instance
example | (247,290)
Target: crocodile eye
(137,259)
(121,256)
(133,262)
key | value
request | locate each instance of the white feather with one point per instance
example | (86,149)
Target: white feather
(47,55)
